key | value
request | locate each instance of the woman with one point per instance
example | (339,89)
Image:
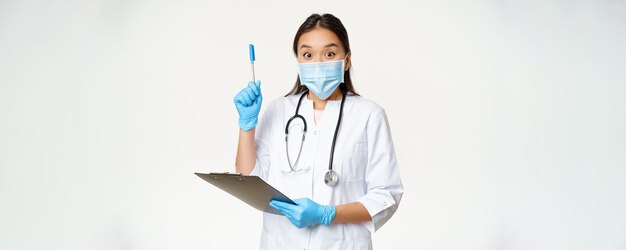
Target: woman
(321,143)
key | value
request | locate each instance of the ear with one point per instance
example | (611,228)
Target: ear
(348,61)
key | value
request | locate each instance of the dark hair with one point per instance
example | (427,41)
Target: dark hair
(332,23)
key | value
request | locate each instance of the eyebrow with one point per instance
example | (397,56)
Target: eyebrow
(327,45)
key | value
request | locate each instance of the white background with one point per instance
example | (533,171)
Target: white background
(508,118)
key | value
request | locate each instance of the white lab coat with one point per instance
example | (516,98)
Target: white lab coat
(364,159)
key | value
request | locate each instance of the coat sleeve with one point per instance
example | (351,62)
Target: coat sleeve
(382,177)
(262,138)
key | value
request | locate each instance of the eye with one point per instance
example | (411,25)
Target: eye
(307,55)
(330,54)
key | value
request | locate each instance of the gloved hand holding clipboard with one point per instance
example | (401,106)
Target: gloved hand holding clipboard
(250,189)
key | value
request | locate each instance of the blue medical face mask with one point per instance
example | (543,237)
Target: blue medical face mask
(322,78)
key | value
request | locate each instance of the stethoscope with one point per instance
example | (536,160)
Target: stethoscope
(331,177)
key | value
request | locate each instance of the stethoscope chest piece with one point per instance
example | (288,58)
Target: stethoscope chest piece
(331,178)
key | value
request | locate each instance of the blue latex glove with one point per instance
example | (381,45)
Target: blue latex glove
(306,213)
(248,103)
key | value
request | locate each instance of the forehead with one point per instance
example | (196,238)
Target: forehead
(318,38)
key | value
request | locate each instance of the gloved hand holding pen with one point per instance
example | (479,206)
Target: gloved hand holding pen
(248,103)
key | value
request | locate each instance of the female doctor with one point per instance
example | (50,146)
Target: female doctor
(323,144)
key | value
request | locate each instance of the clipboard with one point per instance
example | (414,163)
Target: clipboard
(250,189)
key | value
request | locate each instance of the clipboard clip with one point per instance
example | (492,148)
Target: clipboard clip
(227,173)
(216,175)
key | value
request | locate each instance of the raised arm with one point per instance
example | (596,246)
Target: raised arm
(246,152)
(248,103)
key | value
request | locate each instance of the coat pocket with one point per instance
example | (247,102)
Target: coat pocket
(355,164)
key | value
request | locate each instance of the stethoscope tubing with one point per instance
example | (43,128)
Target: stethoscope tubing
(332,150)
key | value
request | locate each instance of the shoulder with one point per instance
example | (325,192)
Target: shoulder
(282,104)
(283,101)
(359,104)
